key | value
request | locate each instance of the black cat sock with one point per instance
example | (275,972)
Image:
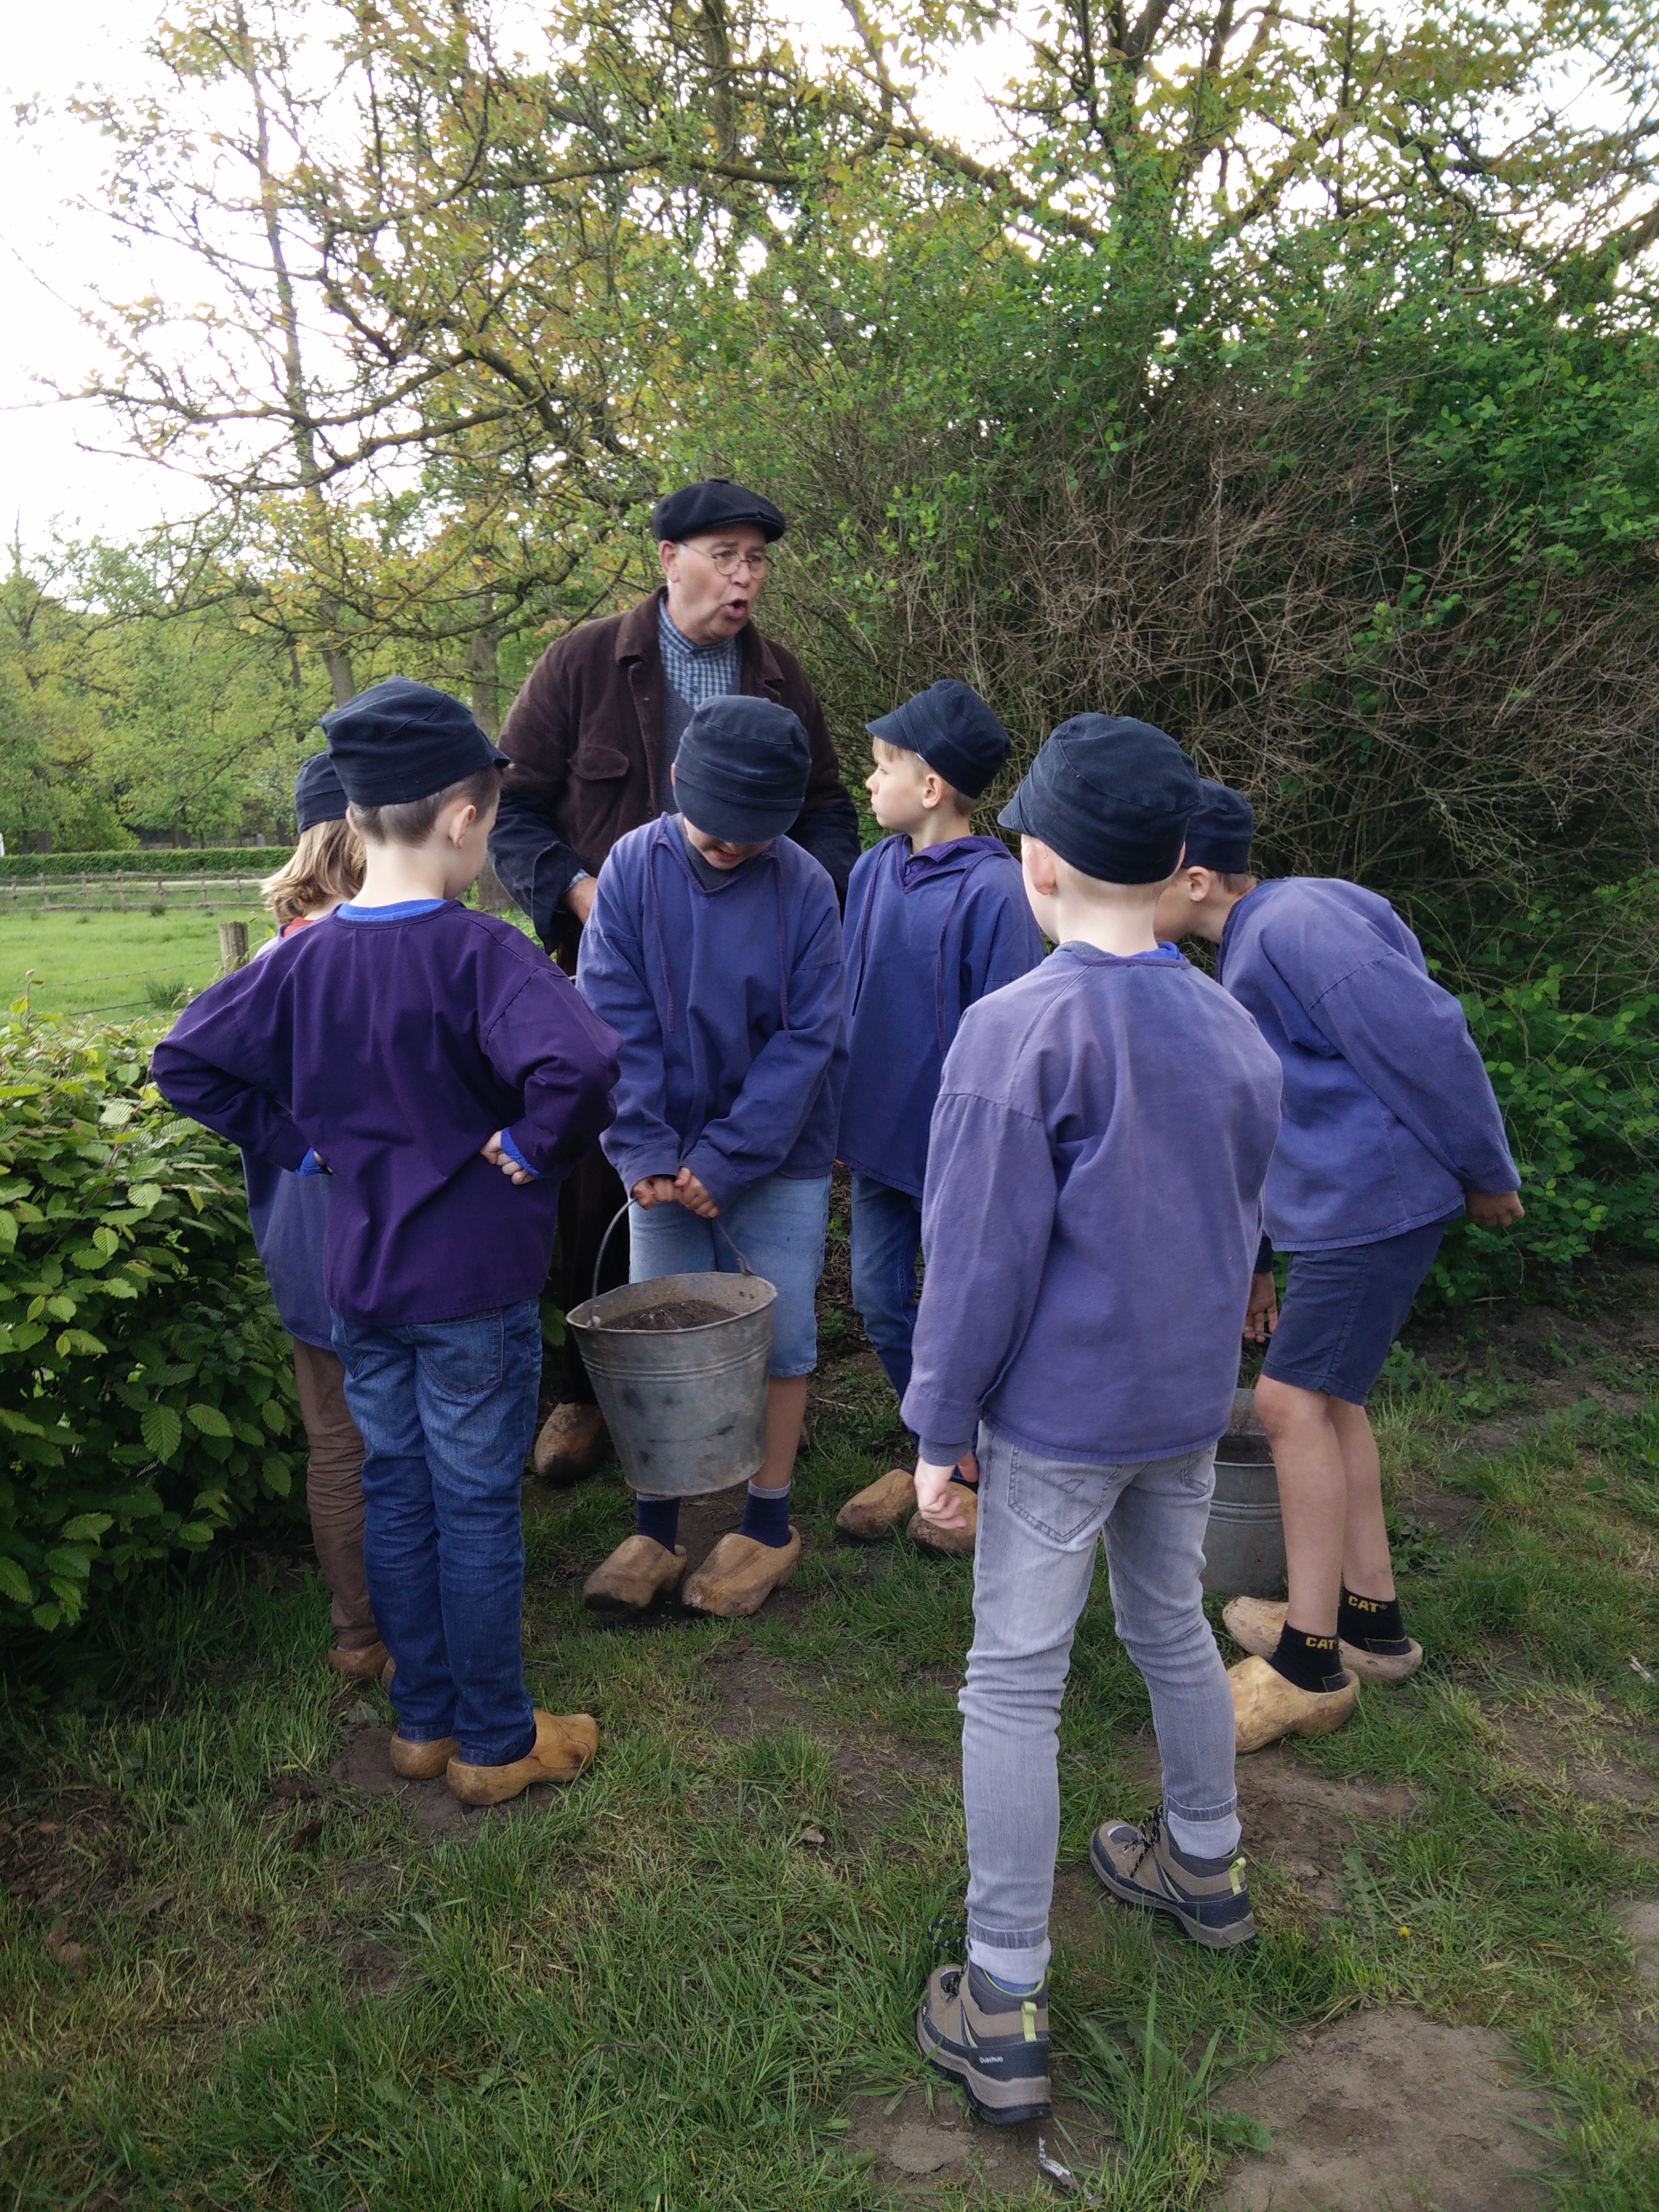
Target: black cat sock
(1310,1662)
(1372,1624)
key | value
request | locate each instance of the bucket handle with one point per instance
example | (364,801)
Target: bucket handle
(605,1241)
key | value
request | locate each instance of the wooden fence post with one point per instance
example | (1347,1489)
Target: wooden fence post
(233,945)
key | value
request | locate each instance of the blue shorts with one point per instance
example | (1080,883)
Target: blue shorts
(778,1225)
(1343,1310)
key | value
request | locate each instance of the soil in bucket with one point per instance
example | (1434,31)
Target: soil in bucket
(676,1313)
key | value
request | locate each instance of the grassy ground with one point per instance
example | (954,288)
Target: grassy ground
(100,960)
(237,1970)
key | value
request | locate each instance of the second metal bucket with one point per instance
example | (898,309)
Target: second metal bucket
(686,1407)
(1244,1542)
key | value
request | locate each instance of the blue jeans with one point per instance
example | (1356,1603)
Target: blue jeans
(446,1411)
(1039,1522)
(886,1238)
(777,1223)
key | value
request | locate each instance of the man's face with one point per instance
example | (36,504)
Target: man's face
(713,581)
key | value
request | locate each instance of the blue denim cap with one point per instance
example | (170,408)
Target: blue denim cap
(1218,836)
(319,793)
(953,730)
(399,741)
(1111,795)
(740,773)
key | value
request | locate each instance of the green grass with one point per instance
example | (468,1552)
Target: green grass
(98,960)
(659,1994)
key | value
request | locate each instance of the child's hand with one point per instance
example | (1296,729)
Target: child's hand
(938,1498)
(690,1192)
(654,1190)
(1261,1314)
(1494,1209)
(497,1157)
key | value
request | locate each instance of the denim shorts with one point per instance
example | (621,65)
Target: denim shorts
(777,1223)
(1343,1310)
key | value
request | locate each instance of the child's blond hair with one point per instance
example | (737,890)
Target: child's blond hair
(325,867)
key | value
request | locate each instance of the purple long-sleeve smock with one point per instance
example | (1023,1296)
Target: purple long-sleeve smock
(1092,1210)
(394,1044)
(726,990)
(927,935)
(1389,1115)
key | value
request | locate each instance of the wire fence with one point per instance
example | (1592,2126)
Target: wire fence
(129,894)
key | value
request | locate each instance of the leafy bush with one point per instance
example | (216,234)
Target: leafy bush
(146,1390)
(1566,1016)
(165,861)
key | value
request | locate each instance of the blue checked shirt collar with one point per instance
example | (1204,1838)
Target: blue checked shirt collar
(698,672)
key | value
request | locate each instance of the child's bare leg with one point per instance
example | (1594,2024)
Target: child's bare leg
(1366,1567)
(785,1417)
(1313,1492)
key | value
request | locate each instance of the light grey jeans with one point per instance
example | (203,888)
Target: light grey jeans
(1039,1522)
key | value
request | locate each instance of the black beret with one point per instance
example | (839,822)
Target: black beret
(1111,795)
(319,793)
(740,773)
(1218,836)
(713,504)
(399,741)
(953,730)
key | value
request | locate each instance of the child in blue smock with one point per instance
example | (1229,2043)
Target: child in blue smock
(936,919)
(713,949)
(1093,1211)
(1391,1131)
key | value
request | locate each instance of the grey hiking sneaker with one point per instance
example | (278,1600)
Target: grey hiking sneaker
(994,2043)
(1144,1867)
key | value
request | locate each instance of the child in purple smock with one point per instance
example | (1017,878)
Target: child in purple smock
(439,1067)
(937,918)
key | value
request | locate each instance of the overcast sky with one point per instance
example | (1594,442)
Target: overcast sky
(53,255)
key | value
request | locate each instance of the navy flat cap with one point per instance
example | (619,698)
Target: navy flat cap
(1111,795)
(714,504)
(1218,836)
(953,730)
(319,793)
(740,773)
(400,741)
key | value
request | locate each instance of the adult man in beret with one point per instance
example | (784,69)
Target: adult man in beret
(591,737)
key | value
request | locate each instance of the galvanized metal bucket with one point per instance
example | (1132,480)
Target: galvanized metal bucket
(686,1407)
(1244,1542)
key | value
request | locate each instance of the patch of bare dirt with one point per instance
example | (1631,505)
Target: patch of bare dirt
(753,1692)
(371,1968)
(1381,2111)
(65,1848)
(1588,1756)
(927,2148)
(1298,1822)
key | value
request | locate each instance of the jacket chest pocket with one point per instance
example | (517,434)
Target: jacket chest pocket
(599,764)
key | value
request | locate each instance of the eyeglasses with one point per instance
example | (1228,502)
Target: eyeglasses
(729,563)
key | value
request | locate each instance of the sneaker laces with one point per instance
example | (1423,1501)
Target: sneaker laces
(1149,1833)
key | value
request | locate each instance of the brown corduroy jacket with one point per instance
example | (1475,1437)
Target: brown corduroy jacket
(584,736)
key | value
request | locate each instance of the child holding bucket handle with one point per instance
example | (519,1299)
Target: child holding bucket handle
(936,919)
(714,947)
(288,1214)
(441,1069)
(1390,1131)
(1110,1111)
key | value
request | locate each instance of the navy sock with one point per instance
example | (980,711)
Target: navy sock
(658,1518)
(1372,1623)
(1310,1662)
(766,1517)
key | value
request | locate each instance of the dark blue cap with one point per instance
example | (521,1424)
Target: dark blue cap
(319,793)
(740,773)
(1112,796)
(400,741)
(1218,836)
(953,730)
(716,503)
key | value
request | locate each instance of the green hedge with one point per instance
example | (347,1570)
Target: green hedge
(165,861)
(147,1395)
